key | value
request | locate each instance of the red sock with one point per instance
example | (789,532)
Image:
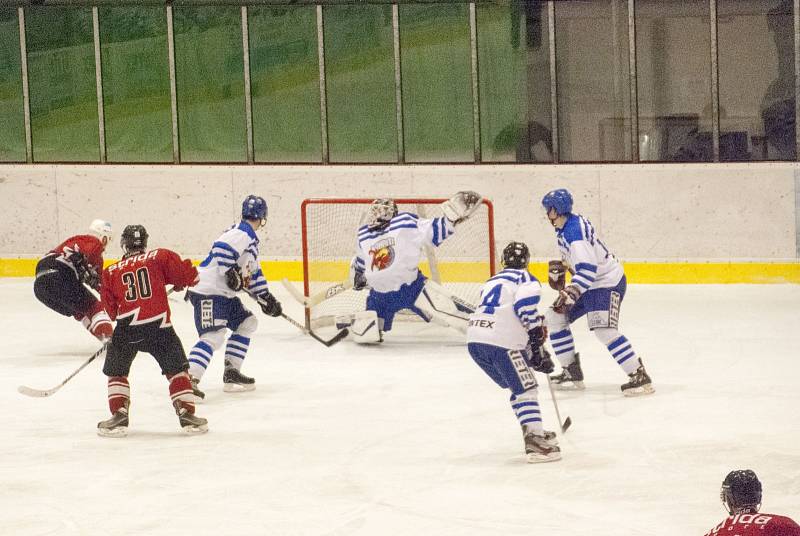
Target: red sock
(119,393)
(180,390)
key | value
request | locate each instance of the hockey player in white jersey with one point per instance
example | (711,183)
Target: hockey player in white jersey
(388,252)
(596,290)
(231,266)
(506,339)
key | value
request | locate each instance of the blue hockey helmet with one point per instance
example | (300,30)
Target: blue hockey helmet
(254,208)
(741,492)
(560,200)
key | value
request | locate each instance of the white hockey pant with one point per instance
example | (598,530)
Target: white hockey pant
(437,305)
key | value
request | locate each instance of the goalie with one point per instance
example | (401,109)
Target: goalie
(388,252)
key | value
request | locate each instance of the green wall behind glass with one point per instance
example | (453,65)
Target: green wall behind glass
(62,84)
(359,70)
(136,98)
(284,82)
(437,83)
(12,116)
(209,65)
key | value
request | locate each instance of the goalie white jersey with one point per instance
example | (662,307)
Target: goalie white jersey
(508,310)
(237,245)
(390,257)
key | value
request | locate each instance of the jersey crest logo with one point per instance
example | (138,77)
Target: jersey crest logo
(382,254)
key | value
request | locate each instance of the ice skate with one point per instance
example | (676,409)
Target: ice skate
(539,450)
(234,381)
(548,436)
(191,423)
(571,377)
(639,384)
(198,394)
(116,426)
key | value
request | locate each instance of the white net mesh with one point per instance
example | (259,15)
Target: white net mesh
(462,263)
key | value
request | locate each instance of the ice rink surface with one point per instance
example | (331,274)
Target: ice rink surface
(409,438)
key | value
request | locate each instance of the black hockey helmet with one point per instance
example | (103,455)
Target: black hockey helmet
(741,492)
(516,255)
(134,239)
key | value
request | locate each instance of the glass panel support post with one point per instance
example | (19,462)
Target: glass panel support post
(551,35)
(98,71)
(323,101)
(712,18)
(398,84)
(173,95)
(476,109)
(248,102)
(26,97)
(633,81)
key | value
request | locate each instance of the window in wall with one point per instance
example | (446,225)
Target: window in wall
(209,64)
(359,73)
(12,119)
(514,81)
(673,65)
(437,83)
(284,81)
(62,84)
(593,80)
(136,99)
(756,80)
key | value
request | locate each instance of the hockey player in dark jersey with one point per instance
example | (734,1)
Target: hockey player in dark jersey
(63,274)
(741,496)
(134,294)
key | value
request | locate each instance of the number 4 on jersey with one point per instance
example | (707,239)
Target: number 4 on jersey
(491,300)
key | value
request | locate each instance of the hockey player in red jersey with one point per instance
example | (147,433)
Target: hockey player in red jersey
(63,272)
(134,295)
(741,496)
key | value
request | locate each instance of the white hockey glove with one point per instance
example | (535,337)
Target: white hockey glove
(566,299)
(461,206)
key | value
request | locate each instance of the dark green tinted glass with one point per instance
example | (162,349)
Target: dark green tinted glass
(359,71)
(284,81)
(62,84)
(136,84)
(514,81)
(437,83)
(209,64)
(12,132)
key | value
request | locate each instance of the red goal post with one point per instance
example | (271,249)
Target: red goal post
(462,263)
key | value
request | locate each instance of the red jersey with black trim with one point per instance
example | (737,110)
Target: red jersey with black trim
(134,286)
(89,245)
(756,525)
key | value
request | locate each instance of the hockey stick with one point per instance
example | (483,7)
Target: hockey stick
(567,422)
(319,297)
(336,338)
(29,391)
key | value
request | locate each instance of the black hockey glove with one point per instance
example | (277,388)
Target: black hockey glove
(539,359)
(269,305)
(91,278)
(557,275)
(78,261)
(359,281)
(566,299)
(234,279)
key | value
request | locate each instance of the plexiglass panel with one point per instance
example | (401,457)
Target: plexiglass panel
(12,118)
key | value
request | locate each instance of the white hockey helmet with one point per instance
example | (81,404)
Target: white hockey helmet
(381,211)
(101,228)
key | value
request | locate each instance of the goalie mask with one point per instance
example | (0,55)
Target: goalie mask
(134,240)
(516,255)
(381,213)
(741,492)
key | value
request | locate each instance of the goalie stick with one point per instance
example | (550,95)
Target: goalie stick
(330,342)
(41,393)
(319,297)
(567,422)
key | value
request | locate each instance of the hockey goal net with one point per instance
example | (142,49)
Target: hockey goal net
(462,263)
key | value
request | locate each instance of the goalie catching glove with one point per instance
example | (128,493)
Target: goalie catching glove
(269,305)
(461,206)
(539,357)
(566,299)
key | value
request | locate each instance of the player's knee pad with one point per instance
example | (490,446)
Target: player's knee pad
(607,335)
(215,339)
(366,328)
(555,321)
(248,327)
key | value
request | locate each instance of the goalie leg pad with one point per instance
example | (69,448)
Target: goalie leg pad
(366,328)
